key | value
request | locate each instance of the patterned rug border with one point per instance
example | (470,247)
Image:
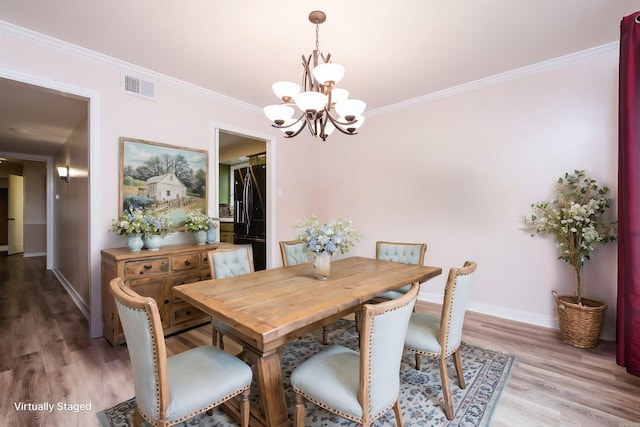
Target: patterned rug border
(486,374)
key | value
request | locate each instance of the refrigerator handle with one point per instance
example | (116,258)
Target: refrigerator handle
(238,214)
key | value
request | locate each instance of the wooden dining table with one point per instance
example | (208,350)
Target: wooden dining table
(267,309)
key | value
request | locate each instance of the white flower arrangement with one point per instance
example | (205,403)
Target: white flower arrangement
(197,221)
(576,219)
(142,221)
(327,238)
(132,221)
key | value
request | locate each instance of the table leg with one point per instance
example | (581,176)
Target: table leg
(271,388)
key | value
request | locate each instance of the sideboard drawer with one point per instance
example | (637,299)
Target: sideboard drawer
(184,312)
(146,267)
(189,277)
(185,262)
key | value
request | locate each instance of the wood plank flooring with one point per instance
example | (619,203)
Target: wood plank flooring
(47,358)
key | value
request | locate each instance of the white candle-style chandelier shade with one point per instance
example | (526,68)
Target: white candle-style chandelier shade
(317,98)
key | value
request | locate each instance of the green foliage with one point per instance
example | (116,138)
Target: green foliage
(576,219)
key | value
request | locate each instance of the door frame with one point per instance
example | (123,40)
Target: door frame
(91,309)
(216,128)
(48,194)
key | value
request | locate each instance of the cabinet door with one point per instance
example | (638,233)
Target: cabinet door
(153,287)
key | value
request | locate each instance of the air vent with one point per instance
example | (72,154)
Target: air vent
(137,86)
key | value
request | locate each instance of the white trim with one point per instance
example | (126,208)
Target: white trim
(95,229)
(496,79)
(50,42)
(551,322)
(33,254)
(77,299)
(32,36)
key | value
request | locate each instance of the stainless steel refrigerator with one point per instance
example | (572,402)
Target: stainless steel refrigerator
(251,211)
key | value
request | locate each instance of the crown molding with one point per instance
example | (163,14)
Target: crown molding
(30,36)
(529,70)
(540,67)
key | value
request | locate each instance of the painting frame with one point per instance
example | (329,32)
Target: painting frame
(162,177)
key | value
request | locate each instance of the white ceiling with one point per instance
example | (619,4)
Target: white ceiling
(392,51)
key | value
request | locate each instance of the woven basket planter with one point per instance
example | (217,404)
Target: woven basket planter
(580,325)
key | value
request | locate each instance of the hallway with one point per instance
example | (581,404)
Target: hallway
(46,355)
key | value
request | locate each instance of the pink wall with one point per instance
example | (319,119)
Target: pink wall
(457,172)
(460,172)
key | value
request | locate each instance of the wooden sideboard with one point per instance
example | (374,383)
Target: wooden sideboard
(154,274)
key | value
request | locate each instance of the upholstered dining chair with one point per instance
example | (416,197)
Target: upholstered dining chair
(171,390)
(441,337)
(359,386)
(228,263)
(294,252)
(406,253)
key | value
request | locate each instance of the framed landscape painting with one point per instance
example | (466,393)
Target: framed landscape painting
(162,177)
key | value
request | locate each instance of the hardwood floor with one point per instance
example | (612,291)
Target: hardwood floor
(46,358)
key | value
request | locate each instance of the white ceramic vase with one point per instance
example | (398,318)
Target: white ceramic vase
(134,242)
(153,242)
(200,236)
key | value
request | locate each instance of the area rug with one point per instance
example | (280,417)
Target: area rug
(485,373)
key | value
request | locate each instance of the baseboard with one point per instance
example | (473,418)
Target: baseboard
(4,248)
(551,322)
(75,297)
(33,254)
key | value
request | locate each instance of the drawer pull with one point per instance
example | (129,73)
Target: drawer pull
(166,301)
(188,312)
(148,266)
(187,262)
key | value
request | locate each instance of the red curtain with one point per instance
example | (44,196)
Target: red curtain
(628,316)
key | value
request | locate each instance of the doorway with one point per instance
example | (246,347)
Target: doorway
(244,159)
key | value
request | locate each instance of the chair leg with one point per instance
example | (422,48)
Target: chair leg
(137,418)
(244,408)
(396,410)
(417,362)
(214,335)
(298,412)
(457,360)
(325,336)
(446,389)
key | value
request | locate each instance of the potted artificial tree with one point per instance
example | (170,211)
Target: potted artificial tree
(577,220)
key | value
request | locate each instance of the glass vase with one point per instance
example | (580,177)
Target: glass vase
(134,242)
(321,265)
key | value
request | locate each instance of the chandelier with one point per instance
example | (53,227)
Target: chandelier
(324,107)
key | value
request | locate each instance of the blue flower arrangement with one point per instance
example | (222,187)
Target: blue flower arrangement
(330,238)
